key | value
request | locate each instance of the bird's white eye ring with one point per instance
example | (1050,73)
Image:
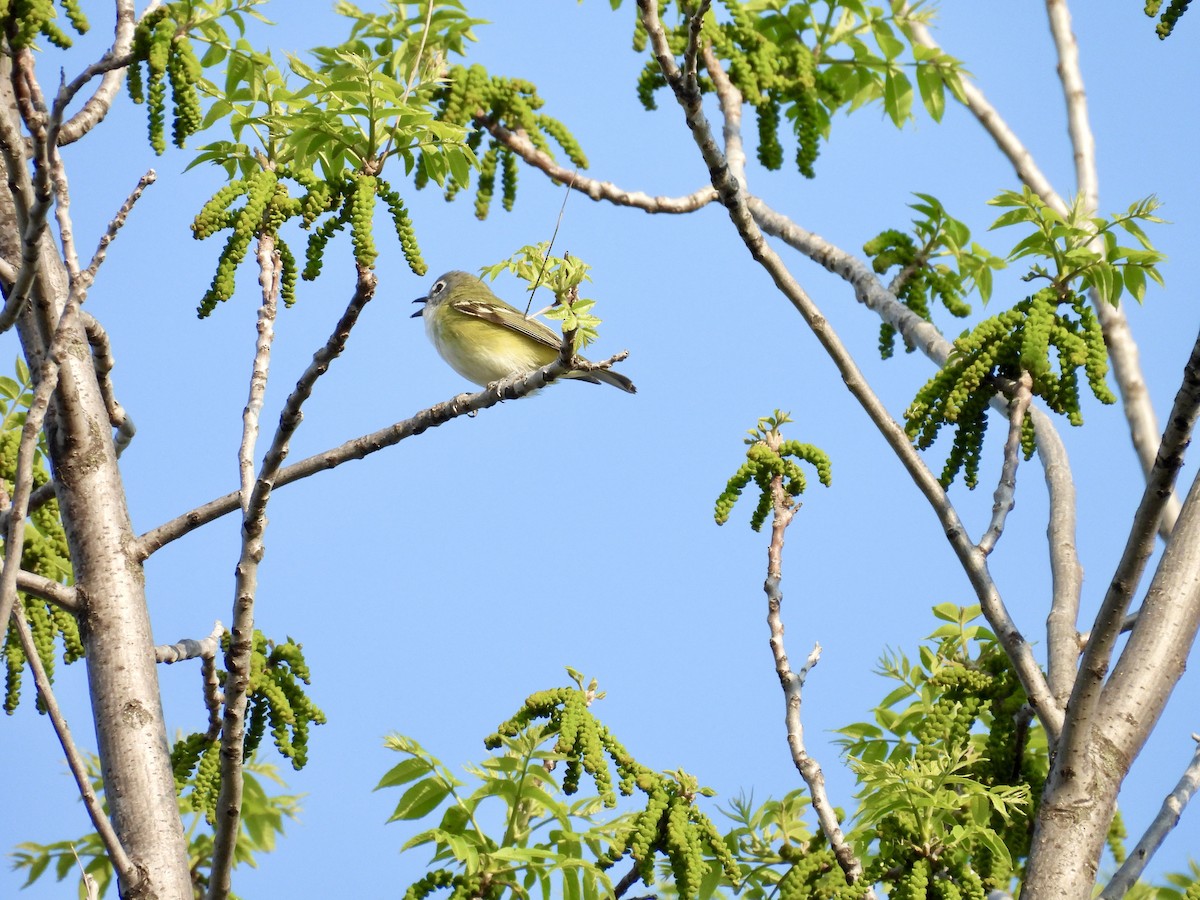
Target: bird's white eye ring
(438,288)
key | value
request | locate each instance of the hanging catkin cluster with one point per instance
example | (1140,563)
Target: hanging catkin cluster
(44,553)
(670,825)
(1019,339)
(1166,22)
(764,464)
(276,700)
(815,874)
(777,75)
(268,205)
(164,48)
(472,98)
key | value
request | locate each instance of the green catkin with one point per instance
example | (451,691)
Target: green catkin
(184,71)
(405,231)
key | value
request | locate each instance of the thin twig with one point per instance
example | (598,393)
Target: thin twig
(553,237)
(115,225)
(237,659)
(628,880)
(691,52)
(1005,495)
(784,509)
(190,648)
(1162,825)
(37,499)
(973,562)
(116,853)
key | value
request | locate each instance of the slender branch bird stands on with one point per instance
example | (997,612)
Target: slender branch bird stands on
(484,339)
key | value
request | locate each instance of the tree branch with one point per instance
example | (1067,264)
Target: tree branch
(270,272)
(191,648)
(1066,572)
(1089,683)
(1006,488)
(784,510)
(463,404)
(597,190)
(254,522)
(127,871)
(111,66)
(1166,820)
(61,595)
(102,360)
(32,196)
(23,476)
(974,563)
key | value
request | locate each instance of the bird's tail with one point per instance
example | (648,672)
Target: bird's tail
(605,376)
(616,379)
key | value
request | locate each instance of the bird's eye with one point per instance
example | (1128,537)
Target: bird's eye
(437,288)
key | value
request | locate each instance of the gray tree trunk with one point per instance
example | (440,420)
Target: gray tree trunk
(114,620)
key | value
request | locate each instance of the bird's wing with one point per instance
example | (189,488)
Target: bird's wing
(510,318)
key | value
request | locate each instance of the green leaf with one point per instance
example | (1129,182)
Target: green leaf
(420,799)
(897,97)
(1013,217)
(9,388)
(1103,278)
(1135,281)
(933,91)
(404,772)
(948,612)
(889,45)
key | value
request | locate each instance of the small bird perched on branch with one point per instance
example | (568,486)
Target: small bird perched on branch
(484,339)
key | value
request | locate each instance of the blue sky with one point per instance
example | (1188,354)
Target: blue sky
(436,584)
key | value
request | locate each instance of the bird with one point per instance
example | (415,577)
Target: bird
(485,340)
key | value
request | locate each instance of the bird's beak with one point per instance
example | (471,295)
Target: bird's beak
(422,309)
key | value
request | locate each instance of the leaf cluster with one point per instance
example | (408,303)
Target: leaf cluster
(262,821)
(1075,252)
(45,551)
(1078,249)
(804,61)
(779,855)
(329,123)
(563,276)
(546,842)
(769,457)
(936,235)
(950,768)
